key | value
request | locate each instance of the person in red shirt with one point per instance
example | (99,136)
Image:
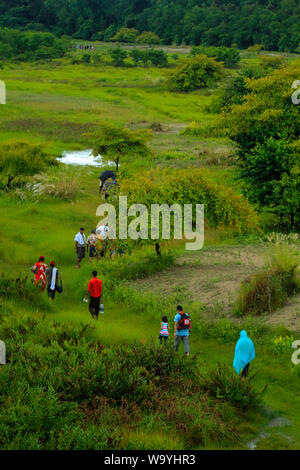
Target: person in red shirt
(39,273)
(95,291)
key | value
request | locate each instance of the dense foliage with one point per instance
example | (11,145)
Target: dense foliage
(269,289)
(196,72)
(222,206)
(228,55)
(30,45)
(19,159)
(274,24)
(266,128)
(61,389)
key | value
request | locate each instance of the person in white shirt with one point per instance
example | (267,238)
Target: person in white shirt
(80,246)
(101,235)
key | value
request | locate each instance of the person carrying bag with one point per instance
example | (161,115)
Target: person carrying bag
(52,275)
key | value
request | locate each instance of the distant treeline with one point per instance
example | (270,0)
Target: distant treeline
(273,23)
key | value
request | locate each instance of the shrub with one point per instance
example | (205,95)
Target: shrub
(55,186)
(20,288)
(125,35)
(20,158)
(223,383)
(228,55)
(222,206)
(174,155)
(156,57)
(228,332)
(147,37)
(86,58)
(194,128)
(31,45)
(269,63)
(118,56)
(268,290)
(265,292)
(256,48)
(282,344)
(196,72)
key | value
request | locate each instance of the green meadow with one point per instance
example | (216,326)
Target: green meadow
(57,103)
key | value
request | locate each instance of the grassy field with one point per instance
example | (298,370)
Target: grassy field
(57,103)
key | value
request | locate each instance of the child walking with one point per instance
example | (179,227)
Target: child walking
(164,330)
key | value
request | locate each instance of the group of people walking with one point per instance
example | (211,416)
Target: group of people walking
(96,244)
(85,47)
(48,277)
(244,349)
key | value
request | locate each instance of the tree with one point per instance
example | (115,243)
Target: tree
(194,73)
(274,23)
(266,129)
(112,142)
(118,56)
(19,159)
(148,37)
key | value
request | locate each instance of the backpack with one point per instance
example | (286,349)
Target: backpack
(34,269)
(59,288)
(184,322)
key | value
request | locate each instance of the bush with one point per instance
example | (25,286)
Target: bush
(118,56)
(265,292)
(256,48)
(147,37)
(228,55)
(194,128)
(222,206)
(126,35)
(268,290)
(229,332)
(19,159)
(31,45)
(86,58)
(196,72)
(55,186)
(282,344)
(224,384)
(156,57)
(20,289)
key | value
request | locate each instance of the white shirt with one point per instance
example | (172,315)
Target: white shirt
(80,238)
(101,230)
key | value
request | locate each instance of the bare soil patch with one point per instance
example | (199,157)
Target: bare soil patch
(213,277)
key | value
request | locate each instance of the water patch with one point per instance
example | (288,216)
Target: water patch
(82,158)
(277,422)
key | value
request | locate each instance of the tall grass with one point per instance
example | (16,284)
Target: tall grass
(269,289)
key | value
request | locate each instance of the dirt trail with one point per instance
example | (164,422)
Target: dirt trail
(213,277)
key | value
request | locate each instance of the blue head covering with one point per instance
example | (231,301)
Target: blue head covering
(244,352)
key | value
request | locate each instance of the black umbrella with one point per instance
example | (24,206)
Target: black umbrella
(107,174)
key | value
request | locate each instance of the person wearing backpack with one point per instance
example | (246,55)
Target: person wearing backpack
(182,328)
